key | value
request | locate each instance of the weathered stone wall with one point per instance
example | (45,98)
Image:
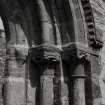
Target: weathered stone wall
(2,62)
(98,76)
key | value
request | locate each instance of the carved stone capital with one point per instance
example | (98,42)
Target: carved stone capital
(45,53)
(79,52)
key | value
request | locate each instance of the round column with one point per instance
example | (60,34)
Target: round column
(46,84)
(47,58)
(78,85)
(75,60)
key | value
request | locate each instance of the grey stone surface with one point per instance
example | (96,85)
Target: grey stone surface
(55,37)
(99,17)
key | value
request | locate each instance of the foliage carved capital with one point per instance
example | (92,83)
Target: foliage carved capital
(45,53)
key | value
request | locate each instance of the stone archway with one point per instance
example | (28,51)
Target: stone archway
(49,34)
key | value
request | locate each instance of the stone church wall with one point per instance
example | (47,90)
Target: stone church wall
(98,7)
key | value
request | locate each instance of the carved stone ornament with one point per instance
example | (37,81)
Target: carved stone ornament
(77,51)
(45,53)
(94,42)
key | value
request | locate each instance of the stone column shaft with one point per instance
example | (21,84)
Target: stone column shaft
(15,77)
(46,22)
(76,59)
(78,87)
(79,92)
(46,56)
(46,86)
